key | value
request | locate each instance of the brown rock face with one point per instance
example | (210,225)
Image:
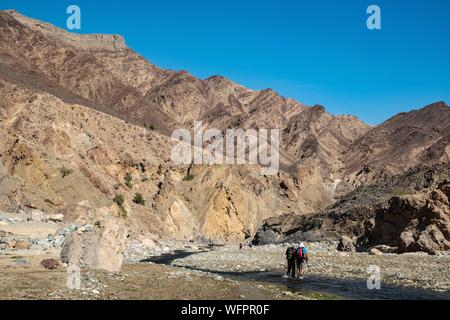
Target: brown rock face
(419,222)
(416,219)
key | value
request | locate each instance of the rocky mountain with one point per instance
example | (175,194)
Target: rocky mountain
(85,118)
(402,142)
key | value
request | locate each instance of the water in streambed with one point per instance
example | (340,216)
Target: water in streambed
(316,287)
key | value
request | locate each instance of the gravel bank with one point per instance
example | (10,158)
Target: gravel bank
(22,277)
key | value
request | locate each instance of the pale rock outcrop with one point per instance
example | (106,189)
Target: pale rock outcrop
(180,222)
(101,248)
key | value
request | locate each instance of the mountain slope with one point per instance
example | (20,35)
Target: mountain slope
(402,142)
(78,113)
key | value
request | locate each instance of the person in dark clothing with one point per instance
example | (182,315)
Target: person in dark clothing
(290,257)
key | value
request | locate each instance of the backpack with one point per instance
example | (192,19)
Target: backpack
(290,253)
(301,253)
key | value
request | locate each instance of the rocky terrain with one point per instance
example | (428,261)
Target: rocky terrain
(225,273)
(405,213)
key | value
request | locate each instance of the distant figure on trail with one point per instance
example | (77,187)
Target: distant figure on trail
(290,257)
(302,260)
(241,246)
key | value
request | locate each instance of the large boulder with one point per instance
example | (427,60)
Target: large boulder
(56,218)
(385,249)
(346,244)
(375,252)
(418,222)
(265,236)
(102,248)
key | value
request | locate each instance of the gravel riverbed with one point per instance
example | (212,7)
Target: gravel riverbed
(408,270)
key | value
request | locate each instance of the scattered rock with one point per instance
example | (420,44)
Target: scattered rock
(37,215)
(375,252)
(50,264)
(22,262)
(68,230)
(22,245)
(386,249)
(15,220)
(88,228)
(56,218)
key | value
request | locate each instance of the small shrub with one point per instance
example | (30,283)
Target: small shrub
(129,184)
(65,172)
(119,199)
(139,199)
(122,211)
(189,177)
(144,178)
(128,180)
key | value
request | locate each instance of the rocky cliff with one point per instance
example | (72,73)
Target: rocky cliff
(408,212)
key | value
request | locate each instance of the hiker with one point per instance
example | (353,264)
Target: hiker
(302,260)
(290,257)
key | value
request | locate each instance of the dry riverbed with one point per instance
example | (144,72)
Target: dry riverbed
(408,270)
(229,273)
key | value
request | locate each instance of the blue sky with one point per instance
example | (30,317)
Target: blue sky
(318,52)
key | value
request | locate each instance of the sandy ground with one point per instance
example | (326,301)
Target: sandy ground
(31,229)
